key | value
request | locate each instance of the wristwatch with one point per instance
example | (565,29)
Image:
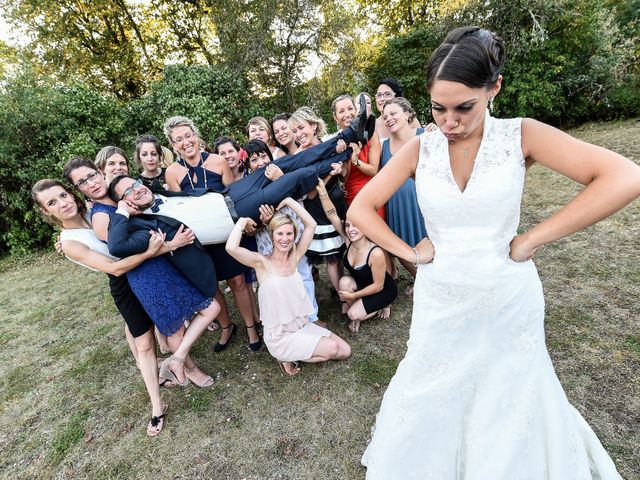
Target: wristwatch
(357,162)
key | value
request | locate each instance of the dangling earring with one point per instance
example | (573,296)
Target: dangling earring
(491,105)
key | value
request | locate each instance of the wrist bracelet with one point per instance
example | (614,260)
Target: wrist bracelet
(169,247)
(417,260)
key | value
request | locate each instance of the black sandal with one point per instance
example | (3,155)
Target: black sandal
(255,346)
(154,422)
(219,347)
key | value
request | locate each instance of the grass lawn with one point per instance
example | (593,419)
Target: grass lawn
(72,404)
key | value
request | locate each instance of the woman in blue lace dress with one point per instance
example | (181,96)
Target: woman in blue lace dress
(196,169)
(166,295)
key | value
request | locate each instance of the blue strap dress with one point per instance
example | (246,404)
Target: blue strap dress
(403,214)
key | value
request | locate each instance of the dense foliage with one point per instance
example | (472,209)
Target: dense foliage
(93,74)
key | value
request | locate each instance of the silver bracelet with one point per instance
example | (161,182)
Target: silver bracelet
(417,261)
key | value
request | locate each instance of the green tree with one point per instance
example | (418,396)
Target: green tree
(101,43)
(215,98)
(44,125)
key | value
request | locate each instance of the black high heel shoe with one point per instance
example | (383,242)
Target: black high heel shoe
(255,346)
(363,125)
(219,347)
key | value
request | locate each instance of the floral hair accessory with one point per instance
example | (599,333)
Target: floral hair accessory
(242,154)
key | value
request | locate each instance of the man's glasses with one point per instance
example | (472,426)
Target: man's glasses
(89,178)
(129,191)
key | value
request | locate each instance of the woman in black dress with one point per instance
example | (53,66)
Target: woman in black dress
(369,288)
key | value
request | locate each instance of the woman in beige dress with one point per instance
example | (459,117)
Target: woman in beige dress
(284,303)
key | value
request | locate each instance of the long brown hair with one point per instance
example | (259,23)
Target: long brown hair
(47,183)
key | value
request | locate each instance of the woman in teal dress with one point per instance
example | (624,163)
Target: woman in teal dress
(403,215)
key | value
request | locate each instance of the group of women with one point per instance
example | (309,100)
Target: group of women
(476,395)
(158,301)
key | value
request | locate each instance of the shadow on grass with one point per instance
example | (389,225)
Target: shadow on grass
(68,435)
(374,369)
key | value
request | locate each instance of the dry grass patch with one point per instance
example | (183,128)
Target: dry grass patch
(72,404)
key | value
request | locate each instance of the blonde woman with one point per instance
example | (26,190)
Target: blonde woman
(284,303)
(327,244)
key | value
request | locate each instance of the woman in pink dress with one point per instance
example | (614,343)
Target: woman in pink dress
(284,303)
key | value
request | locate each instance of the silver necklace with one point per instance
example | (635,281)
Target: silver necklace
(204,175)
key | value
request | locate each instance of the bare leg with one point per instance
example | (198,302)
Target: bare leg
(223,317)
(409,267)
(162,342)
(146,349)
(333,272)
(132,344)
(243,302)
(330,348)
(199,323)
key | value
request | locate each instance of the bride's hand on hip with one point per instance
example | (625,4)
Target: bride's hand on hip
(521,249)
(425,251)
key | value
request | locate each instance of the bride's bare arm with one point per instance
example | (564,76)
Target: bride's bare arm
(363,210)
(612,182)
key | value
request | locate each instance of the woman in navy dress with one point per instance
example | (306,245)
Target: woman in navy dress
(196,169)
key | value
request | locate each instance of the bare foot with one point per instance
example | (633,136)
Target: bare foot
(289,368)
(354,326)
(385,313)
(409,291)
(157,422)
(213,326)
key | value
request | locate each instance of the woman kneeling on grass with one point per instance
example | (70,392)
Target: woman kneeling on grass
(369,288)
(284,303)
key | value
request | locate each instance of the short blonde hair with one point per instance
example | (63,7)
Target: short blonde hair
(261,122)
(280,219)
(174,122)
(307,115)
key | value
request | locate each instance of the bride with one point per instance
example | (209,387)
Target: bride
(476,396)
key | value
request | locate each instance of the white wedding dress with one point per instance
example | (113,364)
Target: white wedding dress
(476,397)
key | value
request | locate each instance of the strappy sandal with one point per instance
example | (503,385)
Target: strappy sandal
(255,346)
(156,424)
(219,347)
(206,383)
(166,374)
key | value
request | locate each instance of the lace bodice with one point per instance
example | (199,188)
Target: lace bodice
(485,216)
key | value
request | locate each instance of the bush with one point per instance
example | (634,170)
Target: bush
(44,125)
(218,101)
